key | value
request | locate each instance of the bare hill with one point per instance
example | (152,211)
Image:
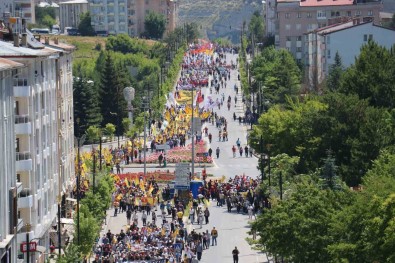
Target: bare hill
(218,18)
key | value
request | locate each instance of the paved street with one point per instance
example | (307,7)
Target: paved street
(232,227)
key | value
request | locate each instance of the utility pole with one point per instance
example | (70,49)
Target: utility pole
(94,171)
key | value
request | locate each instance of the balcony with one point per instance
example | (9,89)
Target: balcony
(19,187)
(23,124)
(23,161)
(25,199)
(21,88)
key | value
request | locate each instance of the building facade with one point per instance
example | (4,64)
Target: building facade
(127,16)
(43,134)
(322,45)
(70,13)
(25,9)
(9,188)
(296,17)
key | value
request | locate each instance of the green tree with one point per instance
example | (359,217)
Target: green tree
(278,74)
(85,27)
(109,130)
(125,44)
(71,255)
(113,81)
(89,230)
(48,21)
(256,27)
(93,133)
(41,12)
(86,104)
(333,80)
(155,25)
(328,173)
(298,228)
(372,76)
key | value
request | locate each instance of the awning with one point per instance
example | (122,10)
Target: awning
(69,221)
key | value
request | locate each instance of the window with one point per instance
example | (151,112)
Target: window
(299,61)
(288,38)
(287,27)
(321,14)
(287,15)
(358,13)
(365,37)
(299,15)
(335,13)
(370,13)
(328,39)
(370,37)
(298,26)
(349,13)
(298,49)
(329,54)
(299,38)
(308,15)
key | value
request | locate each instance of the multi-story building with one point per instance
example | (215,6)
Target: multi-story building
(9,188)
(43,138)
(25,9)
(296,17)
(70,13)
(322,44)
(127,16)
(6,6)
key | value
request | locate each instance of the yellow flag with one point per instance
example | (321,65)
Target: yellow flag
(150,189)
(142,187)
(127,182)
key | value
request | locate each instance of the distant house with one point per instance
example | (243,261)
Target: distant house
(347,39)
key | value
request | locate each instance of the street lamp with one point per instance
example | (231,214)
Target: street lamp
(128,94)
(146,106)
(79,142)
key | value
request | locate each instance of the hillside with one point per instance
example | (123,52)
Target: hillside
(218,18)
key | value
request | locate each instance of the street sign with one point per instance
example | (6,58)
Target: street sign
(162,147)
(182,176)
(32,247)
(205,154)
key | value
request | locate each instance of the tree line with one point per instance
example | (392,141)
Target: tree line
(321,145)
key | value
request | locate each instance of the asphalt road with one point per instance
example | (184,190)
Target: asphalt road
(232,227)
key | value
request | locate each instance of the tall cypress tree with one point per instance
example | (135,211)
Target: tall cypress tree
(113,104)
(86,105)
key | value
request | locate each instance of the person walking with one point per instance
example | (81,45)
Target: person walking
(246,150)
(192,215)
(235,253)
(201,218)
(206,214)
(214,235)
(241,151)
(128,216)
(144,218)
(217,151)
(250,211)
(210,137)
(210,152)
(234,151)
(199,250)
(238,143)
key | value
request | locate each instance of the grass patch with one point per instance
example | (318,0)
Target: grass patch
(255,244)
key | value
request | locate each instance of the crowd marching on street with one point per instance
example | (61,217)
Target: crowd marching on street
(160,229)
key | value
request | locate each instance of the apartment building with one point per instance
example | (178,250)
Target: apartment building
(70,13)
(43,135)
(9,188)
(322,44)
(25,9)
(296,17)
(127,16)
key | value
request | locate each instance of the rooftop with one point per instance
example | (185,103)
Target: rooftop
(325,2)
(74,2)
(7,49)
(9,64)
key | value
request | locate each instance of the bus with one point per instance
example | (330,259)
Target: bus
(40,30)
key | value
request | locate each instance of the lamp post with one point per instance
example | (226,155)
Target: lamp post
(59,226)
(128,94)
(79,142)
(146,106)
(28,228)
(118,124)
